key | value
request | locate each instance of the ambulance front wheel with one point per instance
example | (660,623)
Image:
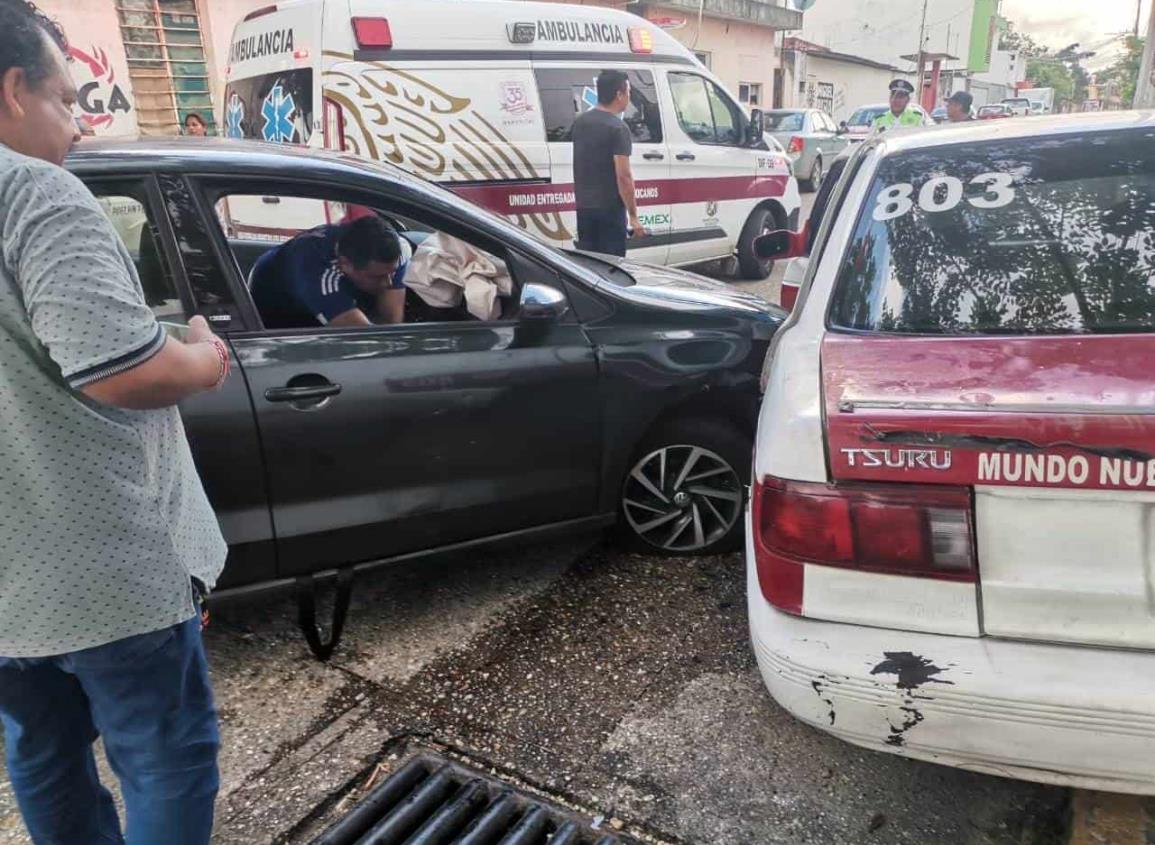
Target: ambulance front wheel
(750,266)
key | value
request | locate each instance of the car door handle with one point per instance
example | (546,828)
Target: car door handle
(653,156)
(297,394)
(685,156)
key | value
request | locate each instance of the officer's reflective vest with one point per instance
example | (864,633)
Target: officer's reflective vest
(908,118)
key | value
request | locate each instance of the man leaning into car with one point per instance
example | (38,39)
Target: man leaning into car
(348,274)
(108,538)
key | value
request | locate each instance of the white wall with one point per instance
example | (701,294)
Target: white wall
(854,85)
(883,30)
(1007,68)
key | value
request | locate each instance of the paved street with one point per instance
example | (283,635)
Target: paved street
(621,684)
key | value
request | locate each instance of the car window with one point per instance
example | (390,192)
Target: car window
(785,121)
(567,92)
(704,112)
(447,276)
(866,116)
(1038,236)
(729,125)
(692,105)
(129,213)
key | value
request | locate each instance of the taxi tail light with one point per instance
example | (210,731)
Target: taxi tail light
(641,40)
(796,145)
(372,33)
(916,530)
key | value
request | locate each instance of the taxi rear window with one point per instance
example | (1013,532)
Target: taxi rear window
(1024,236)
(276,107)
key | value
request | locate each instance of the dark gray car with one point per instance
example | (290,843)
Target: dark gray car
(605,391)
(811,140)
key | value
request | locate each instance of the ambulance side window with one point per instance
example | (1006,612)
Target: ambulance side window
(705,113)
(566,93)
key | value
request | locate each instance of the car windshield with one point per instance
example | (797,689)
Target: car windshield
(790,121)
(1023,236)
(866,116)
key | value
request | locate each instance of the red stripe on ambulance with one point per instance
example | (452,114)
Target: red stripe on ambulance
(535,199)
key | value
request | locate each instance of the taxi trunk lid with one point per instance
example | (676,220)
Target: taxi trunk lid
(1055,436)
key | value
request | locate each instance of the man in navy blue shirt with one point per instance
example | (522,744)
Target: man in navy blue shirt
(351,274)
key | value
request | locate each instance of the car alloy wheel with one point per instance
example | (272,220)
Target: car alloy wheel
(682,498)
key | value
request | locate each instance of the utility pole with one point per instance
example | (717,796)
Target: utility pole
(1145,85)
(1138,13)
(921,62)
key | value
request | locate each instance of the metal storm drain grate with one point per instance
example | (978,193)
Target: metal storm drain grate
(431,801)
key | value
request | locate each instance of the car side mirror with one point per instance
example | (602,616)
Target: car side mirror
(774,244)
(542,302)
(843,128)
(757,127)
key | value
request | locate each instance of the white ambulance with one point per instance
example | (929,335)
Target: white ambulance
(482,95)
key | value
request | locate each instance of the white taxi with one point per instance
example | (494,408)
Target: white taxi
(951,544)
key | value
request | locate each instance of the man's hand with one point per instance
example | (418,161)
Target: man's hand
(181,368)
(637,230)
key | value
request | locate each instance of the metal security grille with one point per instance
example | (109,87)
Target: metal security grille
(166,60)
(431,801)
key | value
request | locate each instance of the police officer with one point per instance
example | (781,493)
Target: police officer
(900,114)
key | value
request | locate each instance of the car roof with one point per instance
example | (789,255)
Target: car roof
(1026,127)
(222,155)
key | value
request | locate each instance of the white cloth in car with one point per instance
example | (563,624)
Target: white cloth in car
(446,270)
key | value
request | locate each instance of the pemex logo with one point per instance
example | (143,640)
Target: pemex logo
(99,95)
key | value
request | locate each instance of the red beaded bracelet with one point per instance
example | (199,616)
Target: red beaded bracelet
(223,356)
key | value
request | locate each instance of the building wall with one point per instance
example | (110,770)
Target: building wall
(884,30)
(99,63)
(852,85)
(1007,69)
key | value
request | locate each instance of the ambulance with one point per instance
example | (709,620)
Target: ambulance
(481,96)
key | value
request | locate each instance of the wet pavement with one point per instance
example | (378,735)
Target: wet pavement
(620,684)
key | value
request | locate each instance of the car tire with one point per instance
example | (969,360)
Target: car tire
(750,266)
(669,510)
(816,175)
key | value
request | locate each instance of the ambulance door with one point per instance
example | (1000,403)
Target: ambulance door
(569,89)
(711,167)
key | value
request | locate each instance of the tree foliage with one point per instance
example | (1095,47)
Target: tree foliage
(1125,70)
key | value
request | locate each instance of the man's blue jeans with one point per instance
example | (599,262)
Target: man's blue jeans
(148,697)
(602,230)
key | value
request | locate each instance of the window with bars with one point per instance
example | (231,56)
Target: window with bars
(167,63)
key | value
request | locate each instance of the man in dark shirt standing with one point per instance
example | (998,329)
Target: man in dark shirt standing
(603,181)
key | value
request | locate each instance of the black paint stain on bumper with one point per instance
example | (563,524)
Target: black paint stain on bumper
(913,670)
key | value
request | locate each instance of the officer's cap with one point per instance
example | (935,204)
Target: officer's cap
(901,86)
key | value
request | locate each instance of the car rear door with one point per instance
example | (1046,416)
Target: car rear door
(181,276)
(994,332)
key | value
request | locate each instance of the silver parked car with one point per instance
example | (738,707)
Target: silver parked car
(811,140)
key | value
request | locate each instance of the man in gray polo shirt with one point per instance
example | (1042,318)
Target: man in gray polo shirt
(104,526)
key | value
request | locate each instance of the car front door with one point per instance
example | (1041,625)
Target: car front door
(712,169)
(391,439)
(569,90)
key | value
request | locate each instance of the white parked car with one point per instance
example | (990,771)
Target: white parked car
(951,544)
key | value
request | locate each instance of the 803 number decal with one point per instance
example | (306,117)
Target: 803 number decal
(943,193)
